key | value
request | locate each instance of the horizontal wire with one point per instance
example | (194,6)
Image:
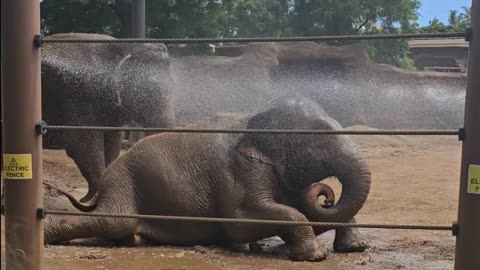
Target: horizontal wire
(255,39)
(260,131)
(255,221)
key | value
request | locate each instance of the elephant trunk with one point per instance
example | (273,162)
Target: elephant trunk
(320,189)
(355,177)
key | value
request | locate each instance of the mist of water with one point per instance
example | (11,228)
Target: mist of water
(205,86)
(377,100)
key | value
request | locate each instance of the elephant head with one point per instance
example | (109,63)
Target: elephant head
(133,77)
(300,160)
(143,80)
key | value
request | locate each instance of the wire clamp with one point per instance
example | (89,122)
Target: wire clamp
(455,228)
(461,134)
(38,41)
(41,213)
(41,128)
(468,34)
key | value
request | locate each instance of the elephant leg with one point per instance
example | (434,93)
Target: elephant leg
(346,239)
(86,148)
(110,200)
(112,146)
(301,240)
(151,233)
(134,136)
(349,240)
(60,229)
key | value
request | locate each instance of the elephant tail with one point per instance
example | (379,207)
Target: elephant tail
(80,206)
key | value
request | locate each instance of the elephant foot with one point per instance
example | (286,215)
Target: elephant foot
(349,240)
(312,252)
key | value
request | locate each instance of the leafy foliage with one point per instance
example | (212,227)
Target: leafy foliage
(457,22)
(257,17)
(361,17)
(61,16)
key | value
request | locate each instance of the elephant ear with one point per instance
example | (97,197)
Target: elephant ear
(270,146)
(259,151)
(253,153)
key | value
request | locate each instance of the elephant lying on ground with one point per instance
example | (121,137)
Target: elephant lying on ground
(103,85)
(254,176)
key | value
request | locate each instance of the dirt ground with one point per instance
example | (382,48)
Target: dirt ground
(415,181)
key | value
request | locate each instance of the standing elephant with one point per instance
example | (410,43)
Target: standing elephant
(96,84)
(253,176)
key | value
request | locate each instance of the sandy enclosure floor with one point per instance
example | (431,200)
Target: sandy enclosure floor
(415,181)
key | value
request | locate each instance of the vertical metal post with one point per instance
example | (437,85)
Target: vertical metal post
(21,108)
(468,239)
(138,19)
(138,31)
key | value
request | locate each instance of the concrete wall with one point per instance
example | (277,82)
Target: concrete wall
(438,57)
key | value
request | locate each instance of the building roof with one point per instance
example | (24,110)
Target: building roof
(438,43)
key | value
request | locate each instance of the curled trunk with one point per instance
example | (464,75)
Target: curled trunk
(319,189)
(352,171)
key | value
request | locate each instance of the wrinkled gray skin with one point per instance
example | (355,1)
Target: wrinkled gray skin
(103,85)
(213,175)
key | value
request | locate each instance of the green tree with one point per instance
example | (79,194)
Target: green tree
(186,18)
(329,17)
(457,22)
(227,18)
(165,18)
(217,18)
(350,17)
(257,17)
(89,16)
(465,16)
(454,19)
(435,26)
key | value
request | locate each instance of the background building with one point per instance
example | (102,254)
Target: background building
(439,54)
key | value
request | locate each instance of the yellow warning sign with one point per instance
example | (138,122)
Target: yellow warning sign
(473,179)
(17,166)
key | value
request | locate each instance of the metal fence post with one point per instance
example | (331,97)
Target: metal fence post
(138,19)
(21,108)
(468,239)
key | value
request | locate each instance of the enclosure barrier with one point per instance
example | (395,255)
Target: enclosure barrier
(467,248)
(21,110)
(43,129)
(452,228)
(40,40)
(22,114)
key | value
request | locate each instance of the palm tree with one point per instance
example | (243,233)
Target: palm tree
(434,22)
(466,14)
(434,26)
(454,19)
